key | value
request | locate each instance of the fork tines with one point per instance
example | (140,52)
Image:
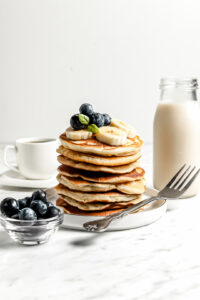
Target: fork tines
(185,180)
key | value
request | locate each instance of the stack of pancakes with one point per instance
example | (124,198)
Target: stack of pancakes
(98,179)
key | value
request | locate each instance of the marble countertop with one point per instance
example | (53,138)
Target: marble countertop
(159,261)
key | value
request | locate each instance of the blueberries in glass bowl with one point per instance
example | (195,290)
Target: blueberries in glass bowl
(29,208)
(31,220)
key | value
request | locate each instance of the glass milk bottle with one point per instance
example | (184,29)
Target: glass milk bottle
(176,131)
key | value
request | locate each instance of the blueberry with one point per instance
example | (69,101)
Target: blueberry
(9,207)
(39,195)
(107,119)
(86,109)
(52,211)
(49,204)
(16,216)
(75,123)
(25,202)
(39,207)
(27,214)
(97,119)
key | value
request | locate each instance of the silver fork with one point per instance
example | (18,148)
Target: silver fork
(174,189)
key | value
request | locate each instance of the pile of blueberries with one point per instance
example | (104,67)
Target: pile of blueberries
(35,207)
(94,118)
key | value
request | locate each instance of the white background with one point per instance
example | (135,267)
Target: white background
(54,55)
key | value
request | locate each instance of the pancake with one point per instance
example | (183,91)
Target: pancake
(95,147)
(68,209)
(98,205)
(78,184)
(87,197)
(75,211)
(86,206)
(89,167)
(101,177)
(98,160)
(134,187)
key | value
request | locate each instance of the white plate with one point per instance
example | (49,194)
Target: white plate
(152,213)
(183,203)
(13,179)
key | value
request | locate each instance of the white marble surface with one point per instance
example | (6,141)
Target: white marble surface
(159,261)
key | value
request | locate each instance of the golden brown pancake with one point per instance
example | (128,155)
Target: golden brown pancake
(75,211)
(102,177)
(87,197)
(79,184)
(93,146)
(98,205)
(89,167)
(98,160)
(86,206)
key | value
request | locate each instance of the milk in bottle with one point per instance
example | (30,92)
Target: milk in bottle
(176,131)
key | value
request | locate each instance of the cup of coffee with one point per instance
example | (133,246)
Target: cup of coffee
(36,157)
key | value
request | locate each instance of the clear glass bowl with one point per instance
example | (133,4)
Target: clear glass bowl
(32,232)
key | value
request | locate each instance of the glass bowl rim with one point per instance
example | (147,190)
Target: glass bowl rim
(17,221)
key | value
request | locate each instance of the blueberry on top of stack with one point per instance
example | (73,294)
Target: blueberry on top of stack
(99,172)
(89,119)
(29,208)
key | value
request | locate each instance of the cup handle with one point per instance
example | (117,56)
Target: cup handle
(6,149)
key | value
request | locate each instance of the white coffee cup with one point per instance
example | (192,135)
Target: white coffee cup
(36,157)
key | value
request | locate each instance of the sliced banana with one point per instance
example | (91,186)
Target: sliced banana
(82,134)
(130,131)
(111,136)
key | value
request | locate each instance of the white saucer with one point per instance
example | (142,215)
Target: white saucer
(13,179)
(152,213)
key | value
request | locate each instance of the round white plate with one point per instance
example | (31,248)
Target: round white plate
(183,203)
(13,179)
(150,214)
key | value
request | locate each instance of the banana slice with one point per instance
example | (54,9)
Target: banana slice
(130,131)
(82,134)
(111,136)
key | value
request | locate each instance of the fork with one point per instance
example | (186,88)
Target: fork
(174,189)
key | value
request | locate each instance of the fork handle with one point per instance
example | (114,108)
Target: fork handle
(133,208)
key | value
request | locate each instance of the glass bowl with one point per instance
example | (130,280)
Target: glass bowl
(32,232)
